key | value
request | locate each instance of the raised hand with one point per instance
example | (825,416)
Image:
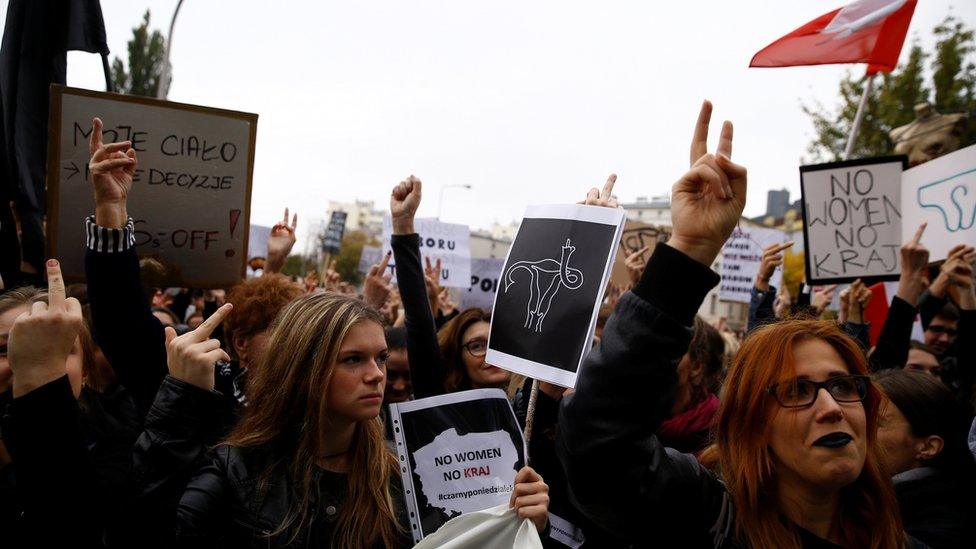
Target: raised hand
(432,278)
(635,263)
(112,167)
(857,299)
(404,201)
(444,301)
(782,304)
(960,274)
(41,339)
(914,267)
(378,286)
(311,281)
(332,278)
(531,497)
(822,297)
(942,282)
(706,201)
(772,258)
(280,243)
(192,356)
(605,197)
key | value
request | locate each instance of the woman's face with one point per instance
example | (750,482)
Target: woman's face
(901,447)
(481,373)
(356,390)
(824,445)
(73,366)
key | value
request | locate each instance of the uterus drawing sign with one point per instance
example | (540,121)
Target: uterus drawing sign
(546,277)
(954,198)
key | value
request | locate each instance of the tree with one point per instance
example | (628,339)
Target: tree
(347,260)
(146,53)
(895,94)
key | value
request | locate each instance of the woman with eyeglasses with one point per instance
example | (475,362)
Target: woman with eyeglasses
(795,461)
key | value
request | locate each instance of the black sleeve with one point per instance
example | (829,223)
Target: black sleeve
(55,476)
(761,307)
(122,322)
(891,350)
(966,358)
(427,369)
(861,333)
(204,510)
(183,421)
(619,474)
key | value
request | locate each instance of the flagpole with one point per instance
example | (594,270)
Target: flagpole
(859,117)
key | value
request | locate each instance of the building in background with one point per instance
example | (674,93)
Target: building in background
(656,211)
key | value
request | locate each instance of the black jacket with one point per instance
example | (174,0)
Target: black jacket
(217,494)
(937,508)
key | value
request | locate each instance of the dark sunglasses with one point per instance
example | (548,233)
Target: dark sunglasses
(803,392)
(477,347)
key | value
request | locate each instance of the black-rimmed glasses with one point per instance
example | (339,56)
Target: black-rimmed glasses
(477,347)
(803,392)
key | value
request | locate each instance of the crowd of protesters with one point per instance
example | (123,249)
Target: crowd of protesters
(140,416)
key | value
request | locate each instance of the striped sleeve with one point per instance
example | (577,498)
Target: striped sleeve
(104,239)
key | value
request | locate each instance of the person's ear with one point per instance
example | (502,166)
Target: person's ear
(696,373)
(930,447)
(240,347)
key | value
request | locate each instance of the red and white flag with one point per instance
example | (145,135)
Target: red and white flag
(867,31)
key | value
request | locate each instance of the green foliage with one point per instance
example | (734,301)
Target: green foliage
(891,102)
(294,266)
(145,62)
(347,260)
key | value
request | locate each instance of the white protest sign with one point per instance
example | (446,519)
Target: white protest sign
(741,257)
(371,256)
(257,241)
(853,219)
(449,242)
(551,288)
(484,283)
(458,453)
(191,192)
(942,193)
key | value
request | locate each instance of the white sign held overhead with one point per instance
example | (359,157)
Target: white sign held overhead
(449,242)
(942,193)
(853,220)
(741,257)
(485,273)
(192,186)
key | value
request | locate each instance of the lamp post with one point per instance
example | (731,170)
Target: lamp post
(164,78)
(440,199)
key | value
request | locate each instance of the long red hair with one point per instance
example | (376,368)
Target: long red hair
(868,507)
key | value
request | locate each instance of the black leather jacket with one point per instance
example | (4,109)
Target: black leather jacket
(224,503)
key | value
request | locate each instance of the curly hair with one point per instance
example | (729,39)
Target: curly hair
(257,302)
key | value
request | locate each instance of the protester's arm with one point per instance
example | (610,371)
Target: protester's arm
(962,279)
(427,368)
(619,474)
(122,322)
(42,430)
(280,242)
(854,300)
(186,417)
(761,307)
(894,341)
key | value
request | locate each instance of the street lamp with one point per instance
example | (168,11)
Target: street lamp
(164,78)
(440,199)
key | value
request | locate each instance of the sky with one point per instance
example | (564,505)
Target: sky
(529,102)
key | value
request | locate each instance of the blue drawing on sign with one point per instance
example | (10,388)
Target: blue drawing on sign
(549,273)
(956,201)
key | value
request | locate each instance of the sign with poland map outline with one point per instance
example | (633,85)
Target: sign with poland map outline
(458,453)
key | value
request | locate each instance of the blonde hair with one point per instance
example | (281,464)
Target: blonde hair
(287,408)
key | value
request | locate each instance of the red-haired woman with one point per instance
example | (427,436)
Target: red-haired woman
(796,456)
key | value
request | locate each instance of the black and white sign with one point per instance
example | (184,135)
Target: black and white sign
(371,256)
(852,213)
(458,453)
(484,283)
(741,257)
(332,239)
(551,288)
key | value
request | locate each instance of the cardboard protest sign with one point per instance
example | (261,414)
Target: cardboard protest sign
(332,240)
(458,453)
(552,285)
(636,235)
(484,283)
(191,191)
(449,242)
(852,216)
(741,256)
(942,193)
(371,256)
